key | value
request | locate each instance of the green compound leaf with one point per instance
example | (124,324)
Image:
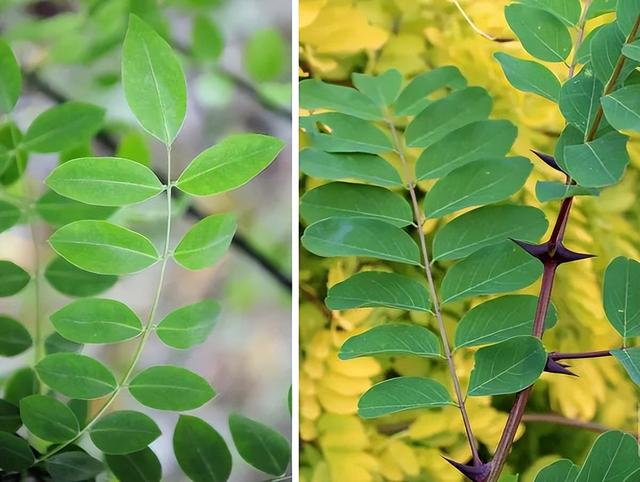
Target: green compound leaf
(153,81)
(15,338)
(486,226)
(552,191)
(48,418)
(55,343)
(382,89)
(105,181)
(500,319)
(104,248)
(339,199)
(142,466)
(260,446)
(622,108)
(265,55)
(478,140)
(392,339)
(62,127)
(598,163)
(15,453)
(229,164)
(507,367)
(632,50)
(190,325)
(372,289)
(9,215)
(335,132)
(481,182)
(12,278)
(529,76)
(10,79)
(621,294)
(568,11)
(413,97)
(360,237)
(75,466)
(9,417)
(400,394)
(58,210)
(580,98)
(629,358)
(73,281)
(22,383)
(561,470)
(96,320)
(447,114)
(76,376)
(606,48)
(315,94)
(613,457)
(167,387)
(541,33)
(337,167)
(494,269)
(206,241)
(211,462)
(124,432)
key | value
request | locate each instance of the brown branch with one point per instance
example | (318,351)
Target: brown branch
(555,419)
(517,411)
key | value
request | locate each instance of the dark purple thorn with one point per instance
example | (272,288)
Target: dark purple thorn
(540,251)
(554,366)
(477,473)
(548,160)
(564,255)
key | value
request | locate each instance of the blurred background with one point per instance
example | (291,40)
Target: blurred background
(236,56)
(340,37)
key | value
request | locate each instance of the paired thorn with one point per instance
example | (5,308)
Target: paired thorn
(476,473)
(554,366)
(551,252)
(548,160)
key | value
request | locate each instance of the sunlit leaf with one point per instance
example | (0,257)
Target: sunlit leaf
(105,181)
(566,10)
(340,199)
(413,97)
(500,319)
(508,366)
(190,325)
(260,446)
(392,339)
(167,387)
(336,132)
(360,237)
(153,81)
(229,164)
(606,48)
(494,269)
(206,241)
(96,320)
(211,461)
(478,140)
(344,166)
(104,248)
(76,376)
(400,394)
(370,289)
(629,358)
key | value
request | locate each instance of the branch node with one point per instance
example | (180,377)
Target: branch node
(477,473)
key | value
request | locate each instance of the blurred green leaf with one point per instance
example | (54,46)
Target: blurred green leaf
(48,418)
(265,55)
(74,466)
(562,469)
(207,41)
(58,210)
(10,78)
(9,417)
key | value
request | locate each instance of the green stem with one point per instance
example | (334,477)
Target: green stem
(146,332)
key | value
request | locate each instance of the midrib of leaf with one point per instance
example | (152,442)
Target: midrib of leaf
(100,322)
(515,365)
(80,378)
(110,246)
(204,247)
(624,106)
(56,423)
(92,180)
(159,96)
(602,164)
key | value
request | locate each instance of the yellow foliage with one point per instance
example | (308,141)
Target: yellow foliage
(339,37)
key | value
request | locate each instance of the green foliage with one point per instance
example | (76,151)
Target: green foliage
(529,76)
(392,339)
(400,394)
(264,55)
(41,433)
